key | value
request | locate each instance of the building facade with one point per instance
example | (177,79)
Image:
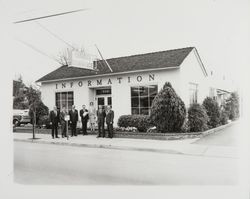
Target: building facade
(133,83)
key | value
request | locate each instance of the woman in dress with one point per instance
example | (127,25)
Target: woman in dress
(92,117)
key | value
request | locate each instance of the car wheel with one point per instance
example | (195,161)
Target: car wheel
(16,122)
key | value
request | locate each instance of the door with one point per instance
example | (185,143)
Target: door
(104,101)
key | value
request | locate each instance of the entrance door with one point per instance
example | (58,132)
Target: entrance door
(104,100)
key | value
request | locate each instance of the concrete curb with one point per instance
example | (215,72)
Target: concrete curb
(217,129)
(169,151)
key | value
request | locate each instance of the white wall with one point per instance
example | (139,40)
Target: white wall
(121,101)
(191,71)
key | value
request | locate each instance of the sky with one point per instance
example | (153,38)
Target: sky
(219,29)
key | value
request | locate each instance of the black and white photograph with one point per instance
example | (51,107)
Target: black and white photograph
(123,94)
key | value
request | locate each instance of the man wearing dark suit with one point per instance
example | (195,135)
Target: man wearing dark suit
(84,117)
(100,120)
(110,121)
(54,117)
(73,118)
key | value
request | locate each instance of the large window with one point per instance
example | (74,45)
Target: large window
(64,99)
(141,99)
(193,93)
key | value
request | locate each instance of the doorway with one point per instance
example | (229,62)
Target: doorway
(103,97)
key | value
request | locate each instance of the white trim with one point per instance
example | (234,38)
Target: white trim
(110,74)
(200,62)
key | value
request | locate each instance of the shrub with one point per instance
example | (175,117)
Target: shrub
(168,111)
(44,121)
(232,106)
(224,117)
(185,127)
(141,122)
(213,112)
(197,117)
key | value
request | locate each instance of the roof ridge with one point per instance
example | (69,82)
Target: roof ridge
(154,52)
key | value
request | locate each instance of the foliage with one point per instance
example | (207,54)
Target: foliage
(44,121)
(35,104)
(185,127)
(141,122)
(19,94)
(232,106)
(224,117)
(197,117)
(213,112)
(168,111)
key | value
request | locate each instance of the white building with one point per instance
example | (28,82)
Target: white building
(132,85)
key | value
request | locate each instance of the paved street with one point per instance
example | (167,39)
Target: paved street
(55,164)
(226,137)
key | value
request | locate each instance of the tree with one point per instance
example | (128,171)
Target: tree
(232,106)
(36,107)
(19,94)
(213,111)
(197,117)
(168,111)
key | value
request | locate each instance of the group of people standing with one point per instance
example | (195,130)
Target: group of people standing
(92,115)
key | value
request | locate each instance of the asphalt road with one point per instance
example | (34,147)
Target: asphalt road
(226,137)
(67,165)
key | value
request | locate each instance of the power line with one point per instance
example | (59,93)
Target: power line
(47,16)
(56,36)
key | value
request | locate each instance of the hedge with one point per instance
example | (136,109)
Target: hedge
(141,122)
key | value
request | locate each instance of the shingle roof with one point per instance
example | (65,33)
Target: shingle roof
(154,60)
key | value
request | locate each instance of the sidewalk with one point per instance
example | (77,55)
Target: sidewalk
(184,147)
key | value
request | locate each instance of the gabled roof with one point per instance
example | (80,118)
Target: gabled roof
(154,60)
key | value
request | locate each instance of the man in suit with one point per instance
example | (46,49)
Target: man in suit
(54,119)
(73,118)
(100,120)
(110,121)
(84,117)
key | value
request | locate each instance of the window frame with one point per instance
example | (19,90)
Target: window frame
(67,100)
(151,93)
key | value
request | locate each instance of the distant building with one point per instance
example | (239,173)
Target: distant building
(133,84)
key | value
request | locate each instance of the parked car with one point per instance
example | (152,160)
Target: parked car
(21,117)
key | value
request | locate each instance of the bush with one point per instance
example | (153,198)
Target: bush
(224,117)
(44,121)
(141,122)
(232,106)
(197,117)
(213,112)
(168,111)
(185,127)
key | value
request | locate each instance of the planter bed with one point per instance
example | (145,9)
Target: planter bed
(136,135)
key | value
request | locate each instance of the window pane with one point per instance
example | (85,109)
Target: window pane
(144,101)
(110,101)
(143,91)
(64,96)
(134,92)
(70,96)
(151,100)
(153,89)
(144,111)
(135,102)
(135,111)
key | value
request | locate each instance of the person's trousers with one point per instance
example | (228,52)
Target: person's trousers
(101,130)
(84,127)
(110,130)
(63,128)
(54,131)
(73,129)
